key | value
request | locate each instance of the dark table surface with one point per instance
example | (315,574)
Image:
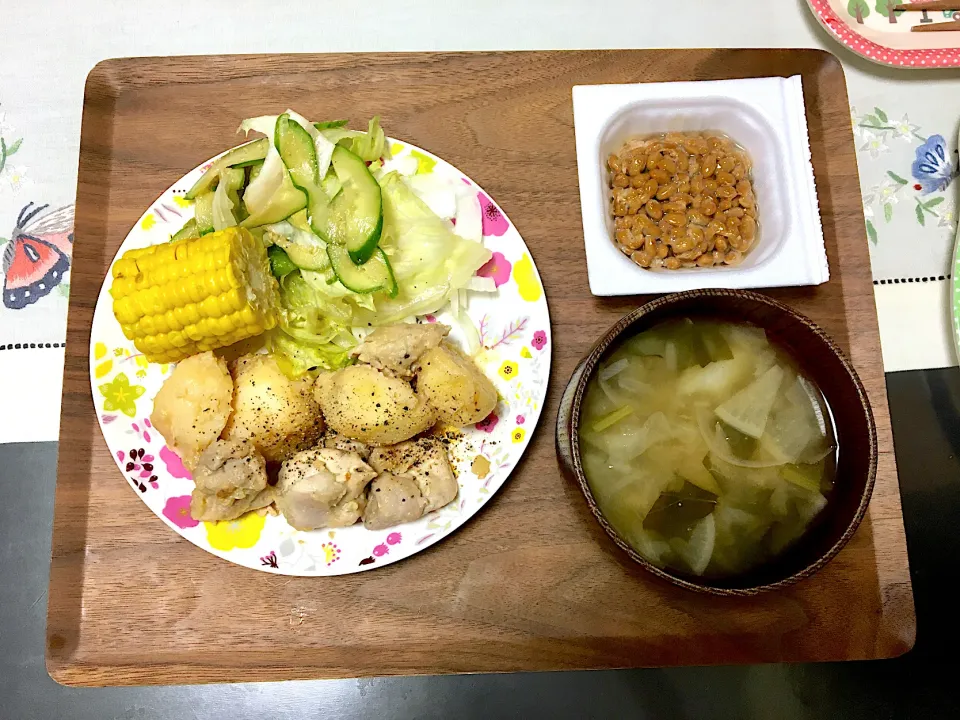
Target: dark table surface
(926,422)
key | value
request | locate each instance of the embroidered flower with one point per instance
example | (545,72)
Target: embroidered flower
(933,166)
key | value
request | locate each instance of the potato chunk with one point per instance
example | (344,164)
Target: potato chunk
(455,386)
(277,414)
(365,404)
(192,407)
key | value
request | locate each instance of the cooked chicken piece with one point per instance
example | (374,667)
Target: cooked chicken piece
(425,460)
(366,404)
(454,385)
(337,441)
(396,349)
(231,479)
(323,487)
(393,500)
(277,414)
(192,407)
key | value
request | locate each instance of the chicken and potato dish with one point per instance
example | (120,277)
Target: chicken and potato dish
(350,445)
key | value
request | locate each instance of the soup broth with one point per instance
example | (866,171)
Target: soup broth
(706,447)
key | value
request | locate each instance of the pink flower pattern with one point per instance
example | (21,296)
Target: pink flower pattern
(174,463)
(498,268)
(488,424)
(539,341)
(521,419)
(494,223)
(177,511)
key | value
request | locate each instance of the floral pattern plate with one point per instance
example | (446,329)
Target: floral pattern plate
(514,328)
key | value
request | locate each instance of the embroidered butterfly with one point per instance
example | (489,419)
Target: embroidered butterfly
(37,256)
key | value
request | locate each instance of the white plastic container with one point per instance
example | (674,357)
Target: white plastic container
(766,117)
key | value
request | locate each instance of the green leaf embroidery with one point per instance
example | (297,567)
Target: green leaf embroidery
(880,114)
(920,218)
(871,232)
(13,148)
(896,178)
(933,203)
(887,212)
(872,119)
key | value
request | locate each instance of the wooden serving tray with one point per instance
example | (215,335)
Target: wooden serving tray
(531,583)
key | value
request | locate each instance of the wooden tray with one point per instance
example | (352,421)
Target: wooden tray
(532,583)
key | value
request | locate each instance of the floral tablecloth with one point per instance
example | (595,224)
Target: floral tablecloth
(906,170)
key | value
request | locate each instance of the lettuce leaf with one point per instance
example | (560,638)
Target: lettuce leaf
(429,261)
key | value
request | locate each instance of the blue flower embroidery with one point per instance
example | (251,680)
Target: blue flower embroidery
(932,167)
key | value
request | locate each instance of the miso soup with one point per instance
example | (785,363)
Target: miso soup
(706,447)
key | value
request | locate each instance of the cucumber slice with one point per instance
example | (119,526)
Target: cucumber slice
(354,218)
(375,274)
(287,200)
(256,150)
(189,230)
(330,124)
(299,154)
(311,254)
(248,163)
(203,212)
(280,263)
(254,171)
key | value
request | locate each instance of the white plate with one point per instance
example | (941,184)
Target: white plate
(515,333)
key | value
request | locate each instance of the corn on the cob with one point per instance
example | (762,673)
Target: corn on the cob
(185,297)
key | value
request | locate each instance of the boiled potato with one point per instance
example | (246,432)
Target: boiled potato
(455,386)
(365,404)
(277,414)
(192,407)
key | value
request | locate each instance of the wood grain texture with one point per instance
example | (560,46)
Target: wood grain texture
(531,583)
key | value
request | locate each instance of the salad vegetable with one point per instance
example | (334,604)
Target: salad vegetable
(355,238)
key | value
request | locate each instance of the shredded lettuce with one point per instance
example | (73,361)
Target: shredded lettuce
(296,357)
(429,261)
(273,173)
(370,145)
(469,214)
(437,194)
(223,216)
(315,331)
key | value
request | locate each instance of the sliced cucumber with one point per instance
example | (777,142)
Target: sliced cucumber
(287,200)
(248,163)
(330,124)
(203,212)
(189,230)
(254,171)
(307,255)
(354,218)
(299,154)
(256,150)
(280,263)
(375,274)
